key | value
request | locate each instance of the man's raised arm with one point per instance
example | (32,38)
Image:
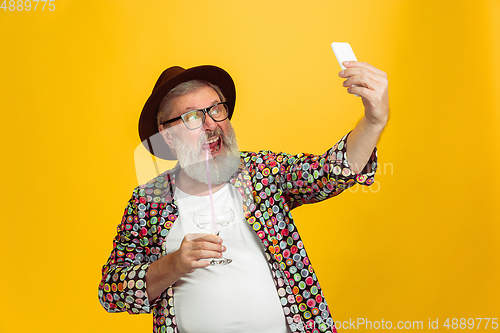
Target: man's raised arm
(371,85)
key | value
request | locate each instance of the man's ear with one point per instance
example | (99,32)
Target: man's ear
(167,136)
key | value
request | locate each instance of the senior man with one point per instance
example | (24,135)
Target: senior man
(213,238)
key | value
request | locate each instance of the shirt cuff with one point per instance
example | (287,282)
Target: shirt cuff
(340,165)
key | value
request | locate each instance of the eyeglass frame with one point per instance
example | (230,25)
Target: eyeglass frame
(205,111)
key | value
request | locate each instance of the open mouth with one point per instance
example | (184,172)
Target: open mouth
(214,144)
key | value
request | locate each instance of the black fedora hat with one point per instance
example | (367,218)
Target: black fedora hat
(169,79)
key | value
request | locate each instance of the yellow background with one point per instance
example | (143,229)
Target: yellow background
(421,243)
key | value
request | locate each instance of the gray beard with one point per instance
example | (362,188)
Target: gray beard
(221,168)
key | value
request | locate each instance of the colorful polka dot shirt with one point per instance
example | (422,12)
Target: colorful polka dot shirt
(271,185)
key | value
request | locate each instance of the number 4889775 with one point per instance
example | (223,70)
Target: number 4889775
(20,5)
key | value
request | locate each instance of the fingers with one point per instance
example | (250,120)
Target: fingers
(203,237)
(362,78)
(197,247)
(367,82)
(365,65)
(204,247)
(362,92)
(364,73)
(207,246)
(199,264)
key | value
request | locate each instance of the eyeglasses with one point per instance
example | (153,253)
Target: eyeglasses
(196,118)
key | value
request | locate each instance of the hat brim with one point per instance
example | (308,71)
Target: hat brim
(148,128)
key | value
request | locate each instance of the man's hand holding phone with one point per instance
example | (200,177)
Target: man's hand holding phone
(365,81)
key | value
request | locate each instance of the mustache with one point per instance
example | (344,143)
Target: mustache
(205,136)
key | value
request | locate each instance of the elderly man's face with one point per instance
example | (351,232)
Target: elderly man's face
(191,145)
(200,99)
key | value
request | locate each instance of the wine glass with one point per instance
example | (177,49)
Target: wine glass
(204,219)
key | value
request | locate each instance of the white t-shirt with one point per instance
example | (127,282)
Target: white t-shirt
(238,297)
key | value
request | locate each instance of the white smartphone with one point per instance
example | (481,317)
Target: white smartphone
(343,52)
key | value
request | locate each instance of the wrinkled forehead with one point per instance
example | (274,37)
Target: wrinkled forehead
(200,98)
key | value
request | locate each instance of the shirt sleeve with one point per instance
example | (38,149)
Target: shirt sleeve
(123,284)
(307,178)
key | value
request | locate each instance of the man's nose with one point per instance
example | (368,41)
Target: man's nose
(210,124)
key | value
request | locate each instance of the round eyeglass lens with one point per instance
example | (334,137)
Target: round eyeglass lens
(194,119)
(218,112)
